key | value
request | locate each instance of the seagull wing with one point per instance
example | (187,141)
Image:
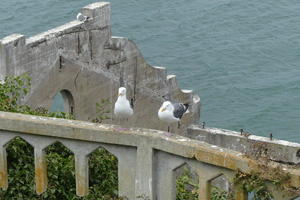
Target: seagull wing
(179,110)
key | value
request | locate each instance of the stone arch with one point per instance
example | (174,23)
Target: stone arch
(103,170)
(6,139)
(187,181)
(63,101)
(58,174)
(16,137)
(220,186)
(15,148)
(69,105)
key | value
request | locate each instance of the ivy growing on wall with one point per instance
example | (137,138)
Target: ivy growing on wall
(253,183)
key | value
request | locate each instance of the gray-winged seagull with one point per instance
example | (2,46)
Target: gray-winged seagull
(172,112)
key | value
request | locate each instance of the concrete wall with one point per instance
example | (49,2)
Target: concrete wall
(252,145)
(84,59)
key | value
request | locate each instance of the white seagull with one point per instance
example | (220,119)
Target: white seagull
(172,112)
(81,17)
(123,108)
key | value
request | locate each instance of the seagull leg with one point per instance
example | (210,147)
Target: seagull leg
(168,129)
(179,124)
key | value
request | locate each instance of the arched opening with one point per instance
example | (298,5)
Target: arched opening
(221,188)
(103,178)
(63,101)
(20,161)
(61,172)
(187,183)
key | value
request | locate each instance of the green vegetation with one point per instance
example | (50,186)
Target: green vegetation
(187,188)
(219,194)
(102,111)
(253,183)
(13,89)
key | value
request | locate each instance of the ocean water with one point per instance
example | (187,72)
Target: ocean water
(241,57)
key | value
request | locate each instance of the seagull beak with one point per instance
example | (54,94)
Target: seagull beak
(162,110)
(120,94)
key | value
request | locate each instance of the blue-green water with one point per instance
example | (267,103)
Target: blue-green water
(241,57)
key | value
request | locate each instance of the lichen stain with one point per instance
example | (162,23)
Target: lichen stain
(273,170)
(216,158)
(41,179)
(81,186)
(240,194)
(3,179)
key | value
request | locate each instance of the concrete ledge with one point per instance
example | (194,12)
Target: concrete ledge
(71,27)
(15,39)
(276,150)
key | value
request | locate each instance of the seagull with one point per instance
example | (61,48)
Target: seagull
(123,108)
(172,112)
(81,17)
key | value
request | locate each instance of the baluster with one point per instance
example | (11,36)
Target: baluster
(41,179)
(5,138)
(144,171)
(3,169)
(204,189)
(82,174)
(240,193)
(81,152)
(166,178)
(39,143)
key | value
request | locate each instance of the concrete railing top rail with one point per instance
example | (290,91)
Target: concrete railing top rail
(142,144)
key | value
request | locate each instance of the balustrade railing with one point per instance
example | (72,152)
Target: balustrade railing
(147,159)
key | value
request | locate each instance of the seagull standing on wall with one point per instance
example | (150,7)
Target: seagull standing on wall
(81,17)
(172,112)
(123,108)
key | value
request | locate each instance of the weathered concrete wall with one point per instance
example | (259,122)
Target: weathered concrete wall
(85,60)
(276,150)
(147,159)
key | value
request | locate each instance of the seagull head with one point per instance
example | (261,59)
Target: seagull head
(122,91)
(167,105)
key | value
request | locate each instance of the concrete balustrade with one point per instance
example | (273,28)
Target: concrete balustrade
(147,159)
